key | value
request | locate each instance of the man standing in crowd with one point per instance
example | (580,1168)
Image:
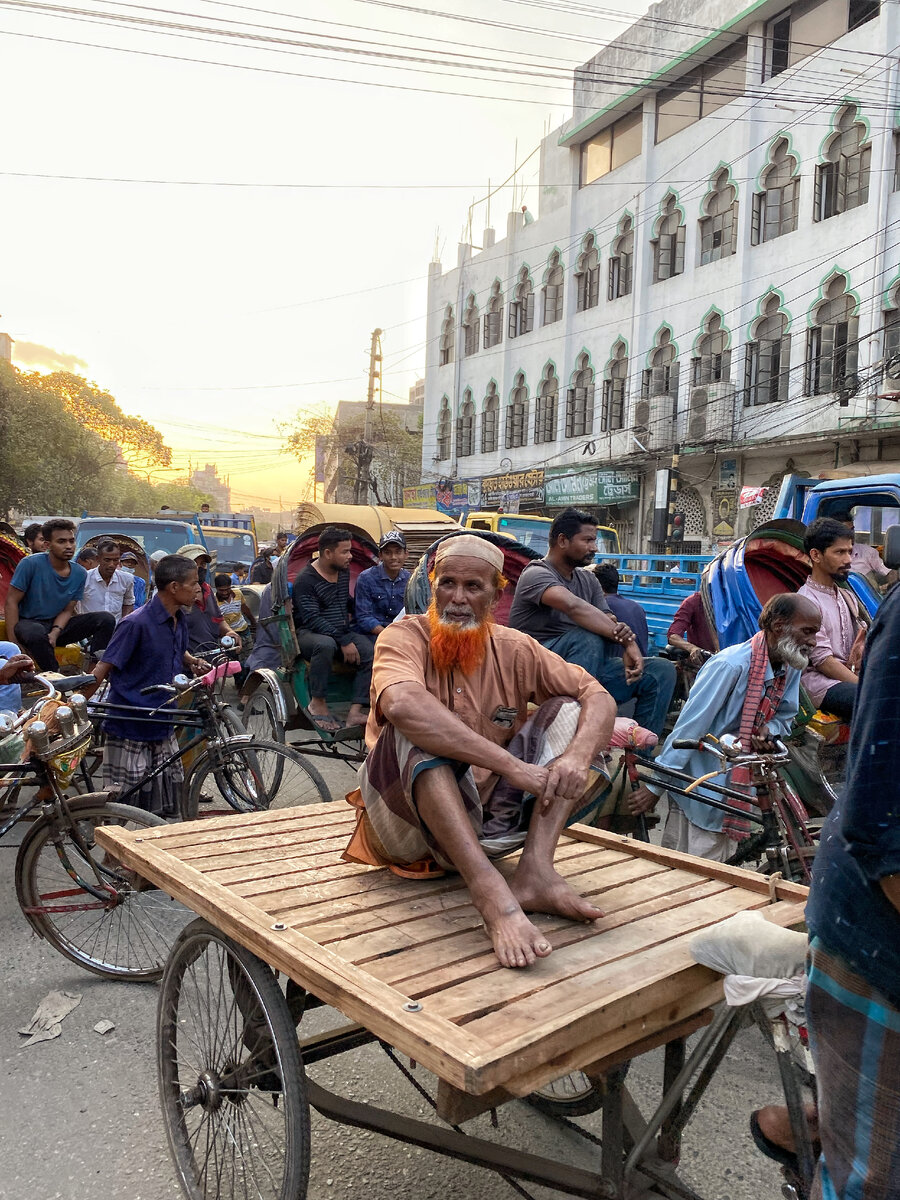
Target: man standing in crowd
(34,538)
(690,630)
(281,542)
(751,691)
(322,618)
(629,612)
(853,916)
(149,649)
(40,603)
(87,557)
(460,772)
(129,563)
(205,623)
(261,569)
(831,679)
(107,587)
(564,608)
(380,590)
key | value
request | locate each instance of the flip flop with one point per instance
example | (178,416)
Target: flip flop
(329,724)
(785,1158)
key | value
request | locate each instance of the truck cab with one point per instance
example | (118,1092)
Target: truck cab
(534,532)
(162,532)
(874,499)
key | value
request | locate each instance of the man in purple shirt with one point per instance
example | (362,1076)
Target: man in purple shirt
(831,679)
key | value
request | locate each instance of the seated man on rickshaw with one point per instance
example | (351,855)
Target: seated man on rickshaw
(323,619)
(459,772)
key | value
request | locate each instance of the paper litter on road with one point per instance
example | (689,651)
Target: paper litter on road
(46,1022)
(104,1027)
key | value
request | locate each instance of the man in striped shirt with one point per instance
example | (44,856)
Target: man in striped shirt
(322,619)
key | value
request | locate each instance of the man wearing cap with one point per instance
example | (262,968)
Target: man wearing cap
(380,590)
(205,623)
(129,563)
(459,772)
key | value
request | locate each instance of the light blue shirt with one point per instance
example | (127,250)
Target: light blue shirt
(10,693)
(714,706)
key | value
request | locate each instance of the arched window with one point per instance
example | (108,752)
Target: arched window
(775,208)
(767,369)
(490,420)
(892,334)
(443,429)
(445,354)
(471,327)
(521,311)
(612,416)
(546,406)
(580,400)
(587,275)
(465,426)
(832,347)
(842,180)
(621,264)
(718,229)
(493,318)
(661,377)
(668,244)
(712,362)
(553,289)
(517,414)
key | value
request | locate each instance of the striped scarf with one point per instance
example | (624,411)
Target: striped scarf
(760,705)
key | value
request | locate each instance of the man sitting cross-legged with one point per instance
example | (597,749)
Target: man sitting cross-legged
(458,772)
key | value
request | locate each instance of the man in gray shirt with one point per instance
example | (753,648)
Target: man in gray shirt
(563,607)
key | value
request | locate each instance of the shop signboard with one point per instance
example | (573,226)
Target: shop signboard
(604,485)
(498,491)
(445,496)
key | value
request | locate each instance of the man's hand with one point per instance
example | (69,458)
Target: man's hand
(763,744)
(199,666)
(641,801)
(854,660)
(530,778)
(14,666)
(53,635)
(566,780)
(350,653)
(633,662)
(622,633)
(697,657)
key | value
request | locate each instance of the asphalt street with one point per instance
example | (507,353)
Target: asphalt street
(80,1115)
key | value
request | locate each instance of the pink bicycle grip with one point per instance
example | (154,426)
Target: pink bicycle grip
(222,671)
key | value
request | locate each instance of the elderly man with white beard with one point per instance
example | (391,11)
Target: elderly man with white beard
(751,691)
(460,771)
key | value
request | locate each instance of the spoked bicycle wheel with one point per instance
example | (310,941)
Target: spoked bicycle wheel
(260,715)
(231,1081)
(251,778)
(124,934)
(571,1095)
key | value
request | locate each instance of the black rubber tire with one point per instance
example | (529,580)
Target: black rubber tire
(586,1097)
(213,771)
(149,915)
(259,715)
(229,1066)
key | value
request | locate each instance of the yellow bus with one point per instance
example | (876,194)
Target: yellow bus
(534,532)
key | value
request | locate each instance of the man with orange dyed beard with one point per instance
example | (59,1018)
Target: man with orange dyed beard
(459,773)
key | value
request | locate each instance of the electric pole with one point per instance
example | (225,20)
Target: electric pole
(363,450)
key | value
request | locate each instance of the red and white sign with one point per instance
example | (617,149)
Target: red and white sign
(750,496)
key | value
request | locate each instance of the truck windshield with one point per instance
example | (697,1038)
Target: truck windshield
(231,547)
(536,534)
(152,535)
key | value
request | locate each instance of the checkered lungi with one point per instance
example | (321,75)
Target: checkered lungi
(855,1036)
(127,763)
(387,777)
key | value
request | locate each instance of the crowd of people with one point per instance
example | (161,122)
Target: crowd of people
(484,738)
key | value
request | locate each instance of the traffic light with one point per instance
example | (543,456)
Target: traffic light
(677,534)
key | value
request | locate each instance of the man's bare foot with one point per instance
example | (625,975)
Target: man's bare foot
(546,891)
(775,1125)
(517,943)
(357,715)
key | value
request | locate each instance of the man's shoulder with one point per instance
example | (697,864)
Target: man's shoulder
(411,630)
(515,640)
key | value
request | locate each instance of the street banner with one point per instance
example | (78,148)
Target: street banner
(498,491)
(446,496)
(750,496)
(604,485)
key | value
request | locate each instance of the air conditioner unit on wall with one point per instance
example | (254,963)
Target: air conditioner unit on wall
(654,421)
(890,381)
(710,412)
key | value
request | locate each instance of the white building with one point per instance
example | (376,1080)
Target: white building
(715,265)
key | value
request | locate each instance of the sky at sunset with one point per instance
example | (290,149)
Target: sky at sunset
(218,312)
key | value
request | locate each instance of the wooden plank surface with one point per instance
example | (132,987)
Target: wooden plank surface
(369,943)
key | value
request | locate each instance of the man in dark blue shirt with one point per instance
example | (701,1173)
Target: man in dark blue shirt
(149,647)
(853,999)
(381,590)
(625,610)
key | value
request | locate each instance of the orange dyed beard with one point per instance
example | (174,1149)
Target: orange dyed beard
(455,649)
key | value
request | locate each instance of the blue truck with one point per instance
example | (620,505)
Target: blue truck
(660,582)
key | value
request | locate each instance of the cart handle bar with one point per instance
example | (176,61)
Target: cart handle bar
(728,749)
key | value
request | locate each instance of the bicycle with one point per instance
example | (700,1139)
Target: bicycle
(247,772)
(75,896)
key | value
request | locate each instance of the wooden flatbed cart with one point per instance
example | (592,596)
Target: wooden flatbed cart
(409,966)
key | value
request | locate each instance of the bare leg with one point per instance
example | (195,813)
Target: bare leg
(517,943)
(536,884)
(357,715)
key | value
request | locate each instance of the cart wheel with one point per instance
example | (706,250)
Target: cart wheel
(252,778)
(231,1081)
(569,1096)
(126,936)
(260,715)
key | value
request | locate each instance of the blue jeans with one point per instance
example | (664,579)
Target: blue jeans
(652,693)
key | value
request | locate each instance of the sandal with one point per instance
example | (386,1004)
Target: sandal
(784,1158)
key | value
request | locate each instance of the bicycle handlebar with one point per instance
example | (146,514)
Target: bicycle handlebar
(729,750)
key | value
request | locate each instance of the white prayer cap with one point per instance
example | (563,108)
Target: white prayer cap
(469,545)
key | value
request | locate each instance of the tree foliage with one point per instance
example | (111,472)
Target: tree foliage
(59,448)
